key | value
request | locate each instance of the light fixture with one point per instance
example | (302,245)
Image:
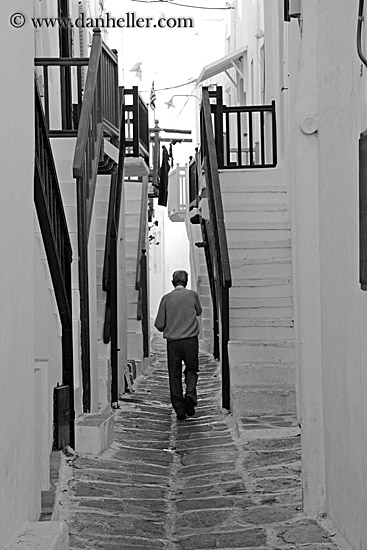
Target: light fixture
(171,104)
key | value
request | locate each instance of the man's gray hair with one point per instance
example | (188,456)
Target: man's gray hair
(180,277)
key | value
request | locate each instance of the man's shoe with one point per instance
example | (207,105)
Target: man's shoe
(189,406)
(181,417)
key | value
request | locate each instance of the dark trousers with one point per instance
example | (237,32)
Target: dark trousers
(186,350)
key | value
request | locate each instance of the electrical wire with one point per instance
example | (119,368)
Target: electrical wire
(171,87)
(359,33)
(228,6)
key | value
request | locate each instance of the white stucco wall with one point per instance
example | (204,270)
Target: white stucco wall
(47,359)
(19,495)
(332,308)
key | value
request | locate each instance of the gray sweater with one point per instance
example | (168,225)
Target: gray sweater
(177,314)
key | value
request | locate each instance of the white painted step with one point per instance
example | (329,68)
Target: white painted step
(252,269)
(253,290)
(263,351)
(255,196)
(260,333)
(239,178)
(261,313)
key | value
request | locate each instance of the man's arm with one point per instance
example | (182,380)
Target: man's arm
(160,320)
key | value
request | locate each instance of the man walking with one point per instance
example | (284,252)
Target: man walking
(177,319)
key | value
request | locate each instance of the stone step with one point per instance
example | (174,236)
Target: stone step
(254,374)
(254,303)
(242,269)
(260,226)
(255,194)
(259,253)
(263,351)
(255,232)
(258,244)
(253,207)
(132,220)
(261,313)
(275,216)
(238,179)
(261,288)
(259,333)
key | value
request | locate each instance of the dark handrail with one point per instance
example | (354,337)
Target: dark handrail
(214,188)
(48,198)
(115,195)
(97,117)
(215,242)
(55,236)
(142,230)
(91,115)
(144,302)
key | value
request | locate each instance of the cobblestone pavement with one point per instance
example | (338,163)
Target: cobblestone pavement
(200,484)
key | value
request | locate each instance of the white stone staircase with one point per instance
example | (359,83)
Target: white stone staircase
(133,197)
(261,347)
(200,282)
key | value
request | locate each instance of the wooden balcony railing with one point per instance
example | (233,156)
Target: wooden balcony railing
(63,85)
(55,236)
(136,125)
(245,136)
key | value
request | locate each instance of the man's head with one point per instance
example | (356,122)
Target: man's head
(180,277)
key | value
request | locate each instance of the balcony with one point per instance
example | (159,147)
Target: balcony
(177,194)
(62,82)
(245,136)
(136,133)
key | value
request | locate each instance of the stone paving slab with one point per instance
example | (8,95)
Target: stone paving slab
(212,482)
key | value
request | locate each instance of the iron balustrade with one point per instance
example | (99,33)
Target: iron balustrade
(136,125)
(245,136)
(55,236)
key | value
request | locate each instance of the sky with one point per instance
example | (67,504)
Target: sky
(169,56)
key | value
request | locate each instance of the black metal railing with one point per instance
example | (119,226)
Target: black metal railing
(98,117)
(245,136)
(55,236)
(109,277)
(136,125)
(141,276)
(215,241)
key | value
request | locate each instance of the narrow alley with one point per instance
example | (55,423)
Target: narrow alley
(200,484)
